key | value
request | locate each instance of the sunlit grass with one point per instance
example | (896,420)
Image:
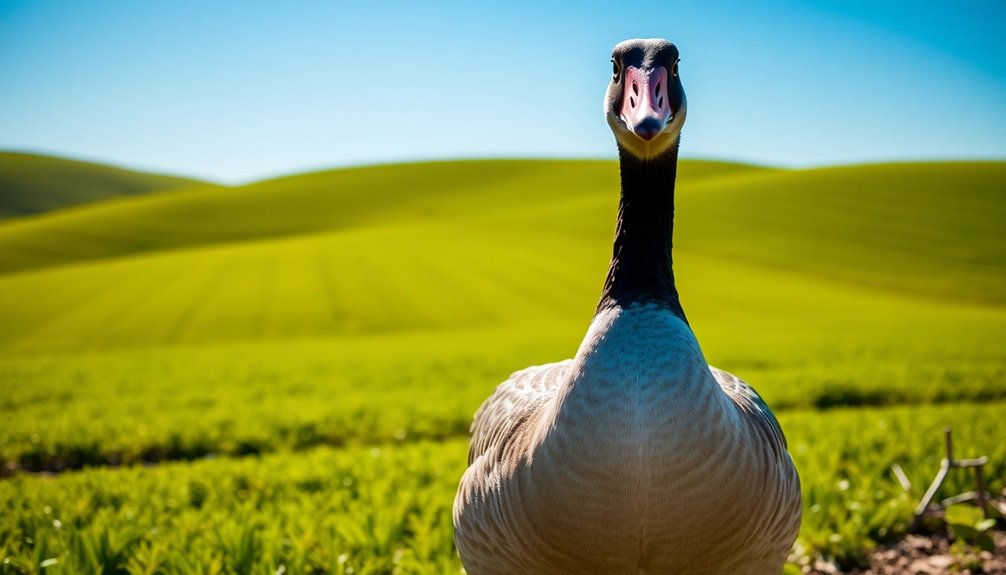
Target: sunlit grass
(386,508)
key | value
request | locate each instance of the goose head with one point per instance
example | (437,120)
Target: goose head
(645,103)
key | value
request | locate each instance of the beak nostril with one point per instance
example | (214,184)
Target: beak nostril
(660,102)
(635,88)
(632,101)
(658,87)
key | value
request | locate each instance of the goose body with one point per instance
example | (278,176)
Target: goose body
(635,456)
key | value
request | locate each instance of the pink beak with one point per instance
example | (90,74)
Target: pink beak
(646,108)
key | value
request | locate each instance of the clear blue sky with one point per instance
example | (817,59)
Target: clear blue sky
(237,90)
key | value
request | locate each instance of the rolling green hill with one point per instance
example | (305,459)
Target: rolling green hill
(920,229)
(31,184)
(324,201)
(823,265)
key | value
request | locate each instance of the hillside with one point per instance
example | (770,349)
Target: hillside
(920,229)
(930,230)
(830,268)
(32,184)
(323,201)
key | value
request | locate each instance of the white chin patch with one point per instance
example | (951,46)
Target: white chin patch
(648,150)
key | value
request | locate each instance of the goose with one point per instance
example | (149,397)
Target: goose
(635,456)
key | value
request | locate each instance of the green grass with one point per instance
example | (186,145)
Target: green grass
(32,184)
(182,402)
(371,510)
(286,328)
(386,509)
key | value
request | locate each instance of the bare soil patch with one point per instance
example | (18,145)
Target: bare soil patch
(925,555)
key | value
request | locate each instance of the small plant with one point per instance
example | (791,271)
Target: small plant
(971,530)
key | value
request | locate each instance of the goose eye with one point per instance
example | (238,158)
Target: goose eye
(674,69)
(614,71)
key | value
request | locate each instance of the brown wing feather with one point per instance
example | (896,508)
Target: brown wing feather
(512,402)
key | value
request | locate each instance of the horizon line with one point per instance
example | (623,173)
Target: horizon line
(157,171)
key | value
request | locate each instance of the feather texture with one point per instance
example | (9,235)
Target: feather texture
(513,402)
(633,457)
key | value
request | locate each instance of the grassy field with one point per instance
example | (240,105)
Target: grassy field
(302,356)
(386,508)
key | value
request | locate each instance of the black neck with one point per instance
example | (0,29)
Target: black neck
(640,268)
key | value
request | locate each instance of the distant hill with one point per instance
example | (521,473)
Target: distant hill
(931,229)
(31,184)
(472,244)
(317,202)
